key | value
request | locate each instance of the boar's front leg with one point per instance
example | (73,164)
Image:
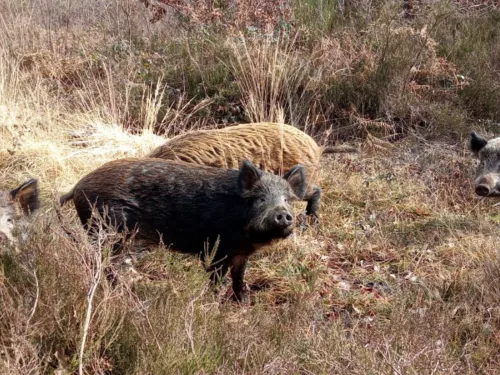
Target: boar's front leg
(313,197)
(238,267)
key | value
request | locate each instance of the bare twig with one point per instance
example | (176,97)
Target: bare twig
(96,277)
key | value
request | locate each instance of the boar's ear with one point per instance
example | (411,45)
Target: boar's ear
(296,177)
(477,142)
(249,176)
(27,196)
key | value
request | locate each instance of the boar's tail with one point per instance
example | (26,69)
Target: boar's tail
(66,197)
(339,149)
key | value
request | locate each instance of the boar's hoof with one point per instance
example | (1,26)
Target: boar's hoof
(241,297)
(314,222)
(307,221)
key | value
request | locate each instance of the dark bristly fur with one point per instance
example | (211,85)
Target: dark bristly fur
(272,147)
(187,205)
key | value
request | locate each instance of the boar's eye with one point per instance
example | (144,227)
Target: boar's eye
(9,220)
(262,199)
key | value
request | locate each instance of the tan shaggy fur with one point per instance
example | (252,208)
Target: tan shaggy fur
(271,147)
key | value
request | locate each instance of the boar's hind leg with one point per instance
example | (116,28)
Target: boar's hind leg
(312,197)
(238,266)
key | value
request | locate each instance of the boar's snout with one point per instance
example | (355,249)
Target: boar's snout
(487,185)
(483,190)
(283,219)
(3,237)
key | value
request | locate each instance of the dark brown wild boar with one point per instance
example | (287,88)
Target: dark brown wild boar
(187,205)
(487,180)
(272,147)
(15,205)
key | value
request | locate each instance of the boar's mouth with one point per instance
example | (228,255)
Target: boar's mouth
(262,237)
(482,192)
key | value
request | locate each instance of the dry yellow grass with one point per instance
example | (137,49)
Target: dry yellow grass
(400,277)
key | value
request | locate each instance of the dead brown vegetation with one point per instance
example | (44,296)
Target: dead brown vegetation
(401,276)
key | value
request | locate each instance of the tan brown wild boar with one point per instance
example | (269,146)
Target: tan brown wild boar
(190,207)
(271,147)
(15,205)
